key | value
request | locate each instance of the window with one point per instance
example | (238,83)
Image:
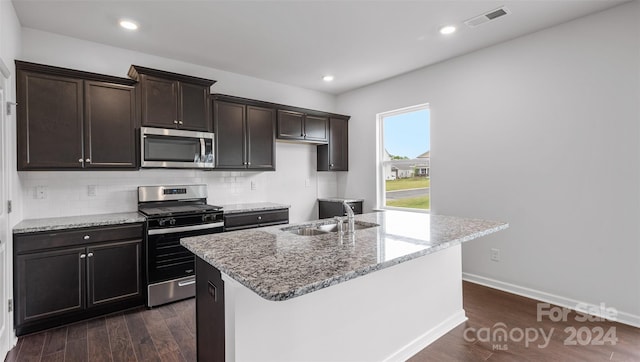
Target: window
(403,158)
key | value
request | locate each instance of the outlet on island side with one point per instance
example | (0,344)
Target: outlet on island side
(495,254)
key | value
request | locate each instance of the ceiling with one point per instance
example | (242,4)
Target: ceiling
(297,42)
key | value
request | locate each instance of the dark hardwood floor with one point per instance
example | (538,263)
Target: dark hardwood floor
(167,333)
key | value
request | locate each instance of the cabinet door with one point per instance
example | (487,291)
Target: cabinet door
(159,102)
(49,283)
(114,272)
(290,125)
(316,128)
(49,122)
(229,132)
(260,138)
(194,107)
(110,122)
(338,145)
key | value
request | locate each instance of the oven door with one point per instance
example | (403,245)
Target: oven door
(170,266)
(170,148)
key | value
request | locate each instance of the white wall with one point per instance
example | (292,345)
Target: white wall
(67,191)
(543,132)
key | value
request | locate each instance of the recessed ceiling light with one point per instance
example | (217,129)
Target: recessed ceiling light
(327,78)
(128,24)
(449,29)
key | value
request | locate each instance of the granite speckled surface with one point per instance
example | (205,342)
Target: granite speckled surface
(339,199)
(279,265)
(249,207)
(76,222)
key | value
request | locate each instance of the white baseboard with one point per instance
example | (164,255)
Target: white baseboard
(622,317)
(428,337)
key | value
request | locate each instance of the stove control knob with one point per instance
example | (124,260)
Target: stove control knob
(161,222)
(172,221)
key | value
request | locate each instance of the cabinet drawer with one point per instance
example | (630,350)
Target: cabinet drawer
(54,239)
(248,220)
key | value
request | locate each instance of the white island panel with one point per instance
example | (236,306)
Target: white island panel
(387,315)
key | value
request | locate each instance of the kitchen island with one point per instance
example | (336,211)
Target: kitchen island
(382,293)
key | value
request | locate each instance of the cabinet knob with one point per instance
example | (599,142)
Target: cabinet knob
(87,160)
(90,255)
(259,217)
(87,237)
(175,122)
(80,160)
(331,165)
(180,122)
(248,163)
(82,256)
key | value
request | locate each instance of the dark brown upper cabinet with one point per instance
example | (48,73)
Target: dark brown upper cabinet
(73,120)
(334,156)
(245,134)
(170,100)
(299,126)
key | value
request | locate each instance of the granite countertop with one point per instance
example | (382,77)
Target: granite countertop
(279,265)
(339,199)
(76,222)
(249,207)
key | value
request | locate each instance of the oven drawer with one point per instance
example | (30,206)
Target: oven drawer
(171,290)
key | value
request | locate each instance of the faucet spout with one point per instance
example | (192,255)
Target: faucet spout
(350,217)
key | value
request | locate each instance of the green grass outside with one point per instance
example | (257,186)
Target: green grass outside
(406,183)
(420,202)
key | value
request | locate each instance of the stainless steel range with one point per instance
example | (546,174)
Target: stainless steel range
(174,212)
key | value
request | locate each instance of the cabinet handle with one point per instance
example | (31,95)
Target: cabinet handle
(259,217)
(86,237)
(248,163)
(90,255)
(180,122)
(82,256)
(88,160)
(80,160)
(331,165)
(175,122)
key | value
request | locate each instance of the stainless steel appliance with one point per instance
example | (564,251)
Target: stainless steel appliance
(174,212)
(173,148)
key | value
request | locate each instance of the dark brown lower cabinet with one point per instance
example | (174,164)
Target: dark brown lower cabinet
(209,312)
(65,276)
(328,209)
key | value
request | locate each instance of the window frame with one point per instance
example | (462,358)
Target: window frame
(381,198)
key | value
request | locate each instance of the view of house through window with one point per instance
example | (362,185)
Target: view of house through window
(404,158)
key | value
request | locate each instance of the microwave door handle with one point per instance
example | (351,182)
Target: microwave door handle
(202,150)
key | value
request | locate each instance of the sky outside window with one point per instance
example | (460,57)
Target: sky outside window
(407,134)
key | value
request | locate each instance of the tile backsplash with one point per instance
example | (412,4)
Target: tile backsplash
(296,182)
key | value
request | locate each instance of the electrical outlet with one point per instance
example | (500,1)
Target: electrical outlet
(307,182)
(495,254)
(92,190)
(254,185)
(41,192)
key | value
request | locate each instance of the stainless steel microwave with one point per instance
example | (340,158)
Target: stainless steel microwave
(173,148)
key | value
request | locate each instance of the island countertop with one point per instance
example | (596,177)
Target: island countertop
(279,265)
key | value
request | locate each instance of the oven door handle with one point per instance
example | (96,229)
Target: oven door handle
(185,228)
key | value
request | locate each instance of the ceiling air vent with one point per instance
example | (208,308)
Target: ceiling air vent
(487,17)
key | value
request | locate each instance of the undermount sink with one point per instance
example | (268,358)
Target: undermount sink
(358,225)
(308,231)
(326,228)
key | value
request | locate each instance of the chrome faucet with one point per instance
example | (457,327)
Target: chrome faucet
(350,217)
